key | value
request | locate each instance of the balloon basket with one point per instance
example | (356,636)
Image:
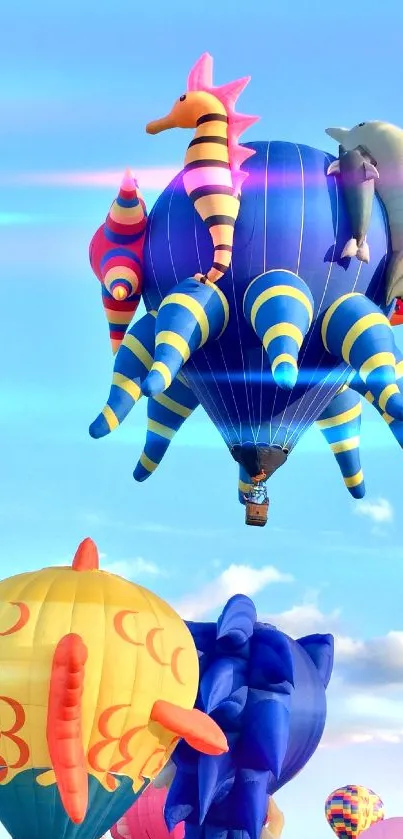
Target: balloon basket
(256,514)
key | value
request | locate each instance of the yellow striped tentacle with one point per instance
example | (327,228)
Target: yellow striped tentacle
(132,363)
(340,424)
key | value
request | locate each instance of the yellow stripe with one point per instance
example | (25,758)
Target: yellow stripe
(399,369)
(126,215)
(127,385)
(283,357)
(355,480)
(162,368)
(110,417)
(194,308)
(161,430)
(181,379)
(340,419)
(175,341)
(229,204)
(120,272)
(280,330)
(147,463)
(388,418)
(380,359)
(330,312)
(369,397)
(345,445)
(243,487)
(134,345)
(172,405)
(153,313)
(224,302)
(387,392)
(360,326)
(278,291)
(342,389)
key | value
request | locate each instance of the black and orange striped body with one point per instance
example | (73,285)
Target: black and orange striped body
(209,184)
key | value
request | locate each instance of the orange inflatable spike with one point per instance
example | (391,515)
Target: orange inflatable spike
(86,556)
(198,729)
(64,726)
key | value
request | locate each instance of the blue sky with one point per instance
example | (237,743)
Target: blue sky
(78,82)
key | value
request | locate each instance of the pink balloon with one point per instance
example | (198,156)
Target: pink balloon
(387,829)
(145,819)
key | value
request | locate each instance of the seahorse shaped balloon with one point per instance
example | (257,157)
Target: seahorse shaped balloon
(116,257)
(99,679)
(212,174)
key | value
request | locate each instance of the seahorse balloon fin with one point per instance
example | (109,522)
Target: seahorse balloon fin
(64,725)
(192,314)
(198,729)
(132,363)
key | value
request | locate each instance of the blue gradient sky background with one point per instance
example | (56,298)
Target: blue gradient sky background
(78,82)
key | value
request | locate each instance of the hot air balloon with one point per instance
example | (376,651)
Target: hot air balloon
(350,810)
(99,679)
(387,829)
(145,818)
(268,694)
(397,316)
(116,257)
(252,312)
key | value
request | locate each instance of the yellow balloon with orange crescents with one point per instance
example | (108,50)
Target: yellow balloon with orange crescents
(98,681)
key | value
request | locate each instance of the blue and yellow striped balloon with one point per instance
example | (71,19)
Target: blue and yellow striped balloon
(132,363)
(245,484)
(165,415)
(192,314)
(340,424)
(279,306)
(395,425)
(354,329)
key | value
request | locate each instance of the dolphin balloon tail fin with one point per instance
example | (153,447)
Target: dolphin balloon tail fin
(340,424)
(133,361)
(166,413)
(350,249)
(189,316)
(355,330)
(363,252)
(279,306)
(64,725)
(245,485)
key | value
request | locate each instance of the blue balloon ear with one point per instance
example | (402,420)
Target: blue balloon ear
(236,623)
(320,649)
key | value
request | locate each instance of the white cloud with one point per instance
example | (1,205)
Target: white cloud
(132,568)
(380,511)
(304,620)
(236,579)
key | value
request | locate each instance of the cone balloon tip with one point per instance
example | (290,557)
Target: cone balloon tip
(99,428)
(154,384)
(119,292)
(285,376)
(128,181)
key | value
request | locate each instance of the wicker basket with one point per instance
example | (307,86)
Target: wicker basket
(256,514)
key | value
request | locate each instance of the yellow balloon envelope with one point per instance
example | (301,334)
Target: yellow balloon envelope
(98,681)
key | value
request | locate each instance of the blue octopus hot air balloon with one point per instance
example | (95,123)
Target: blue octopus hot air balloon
(251,310)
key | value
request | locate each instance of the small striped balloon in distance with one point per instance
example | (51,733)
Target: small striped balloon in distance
(352,809)
(212,174)
(340,424)
(192,314)
(354,329)
(279,306)
(116,257)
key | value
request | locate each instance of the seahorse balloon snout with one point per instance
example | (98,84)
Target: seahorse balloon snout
(78,733)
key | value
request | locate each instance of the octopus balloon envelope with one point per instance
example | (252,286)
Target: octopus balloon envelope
(265,271)
(77,746)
